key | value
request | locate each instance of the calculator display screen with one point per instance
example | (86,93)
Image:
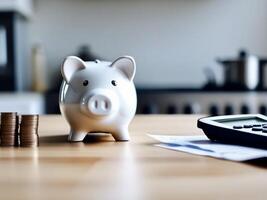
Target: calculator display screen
(242,121)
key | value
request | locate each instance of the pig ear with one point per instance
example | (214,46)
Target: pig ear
(126,64)
(70,65)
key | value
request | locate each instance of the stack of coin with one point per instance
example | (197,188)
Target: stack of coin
(9,129)
(29,131)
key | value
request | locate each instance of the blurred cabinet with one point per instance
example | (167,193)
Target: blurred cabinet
(23,103)
(24,7)
(161,101)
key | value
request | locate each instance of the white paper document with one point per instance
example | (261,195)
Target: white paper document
(201,145)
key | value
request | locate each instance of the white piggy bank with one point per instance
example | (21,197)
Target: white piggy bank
(98,96)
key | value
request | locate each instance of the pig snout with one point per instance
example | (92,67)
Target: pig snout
(100,102)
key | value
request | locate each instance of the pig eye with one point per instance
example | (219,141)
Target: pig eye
(85,83)
(113,82)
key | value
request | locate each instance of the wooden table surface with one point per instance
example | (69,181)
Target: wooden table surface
(103,169)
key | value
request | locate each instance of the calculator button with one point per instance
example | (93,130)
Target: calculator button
(237,127)
(248,126)
(256,125)
(264,125)
(256,128)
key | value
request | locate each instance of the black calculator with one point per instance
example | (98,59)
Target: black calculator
(249,129)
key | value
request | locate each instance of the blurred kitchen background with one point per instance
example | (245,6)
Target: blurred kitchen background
(193,56)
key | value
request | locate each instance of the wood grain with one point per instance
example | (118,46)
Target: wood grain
(103,169)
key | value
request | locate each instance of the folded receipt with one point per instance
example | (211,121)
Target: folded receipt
(201,145)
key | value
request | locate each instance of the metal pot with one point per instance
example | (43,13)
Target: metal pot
(243,72)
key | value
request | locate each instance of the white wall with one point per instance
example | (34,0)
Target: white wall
(172,40)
